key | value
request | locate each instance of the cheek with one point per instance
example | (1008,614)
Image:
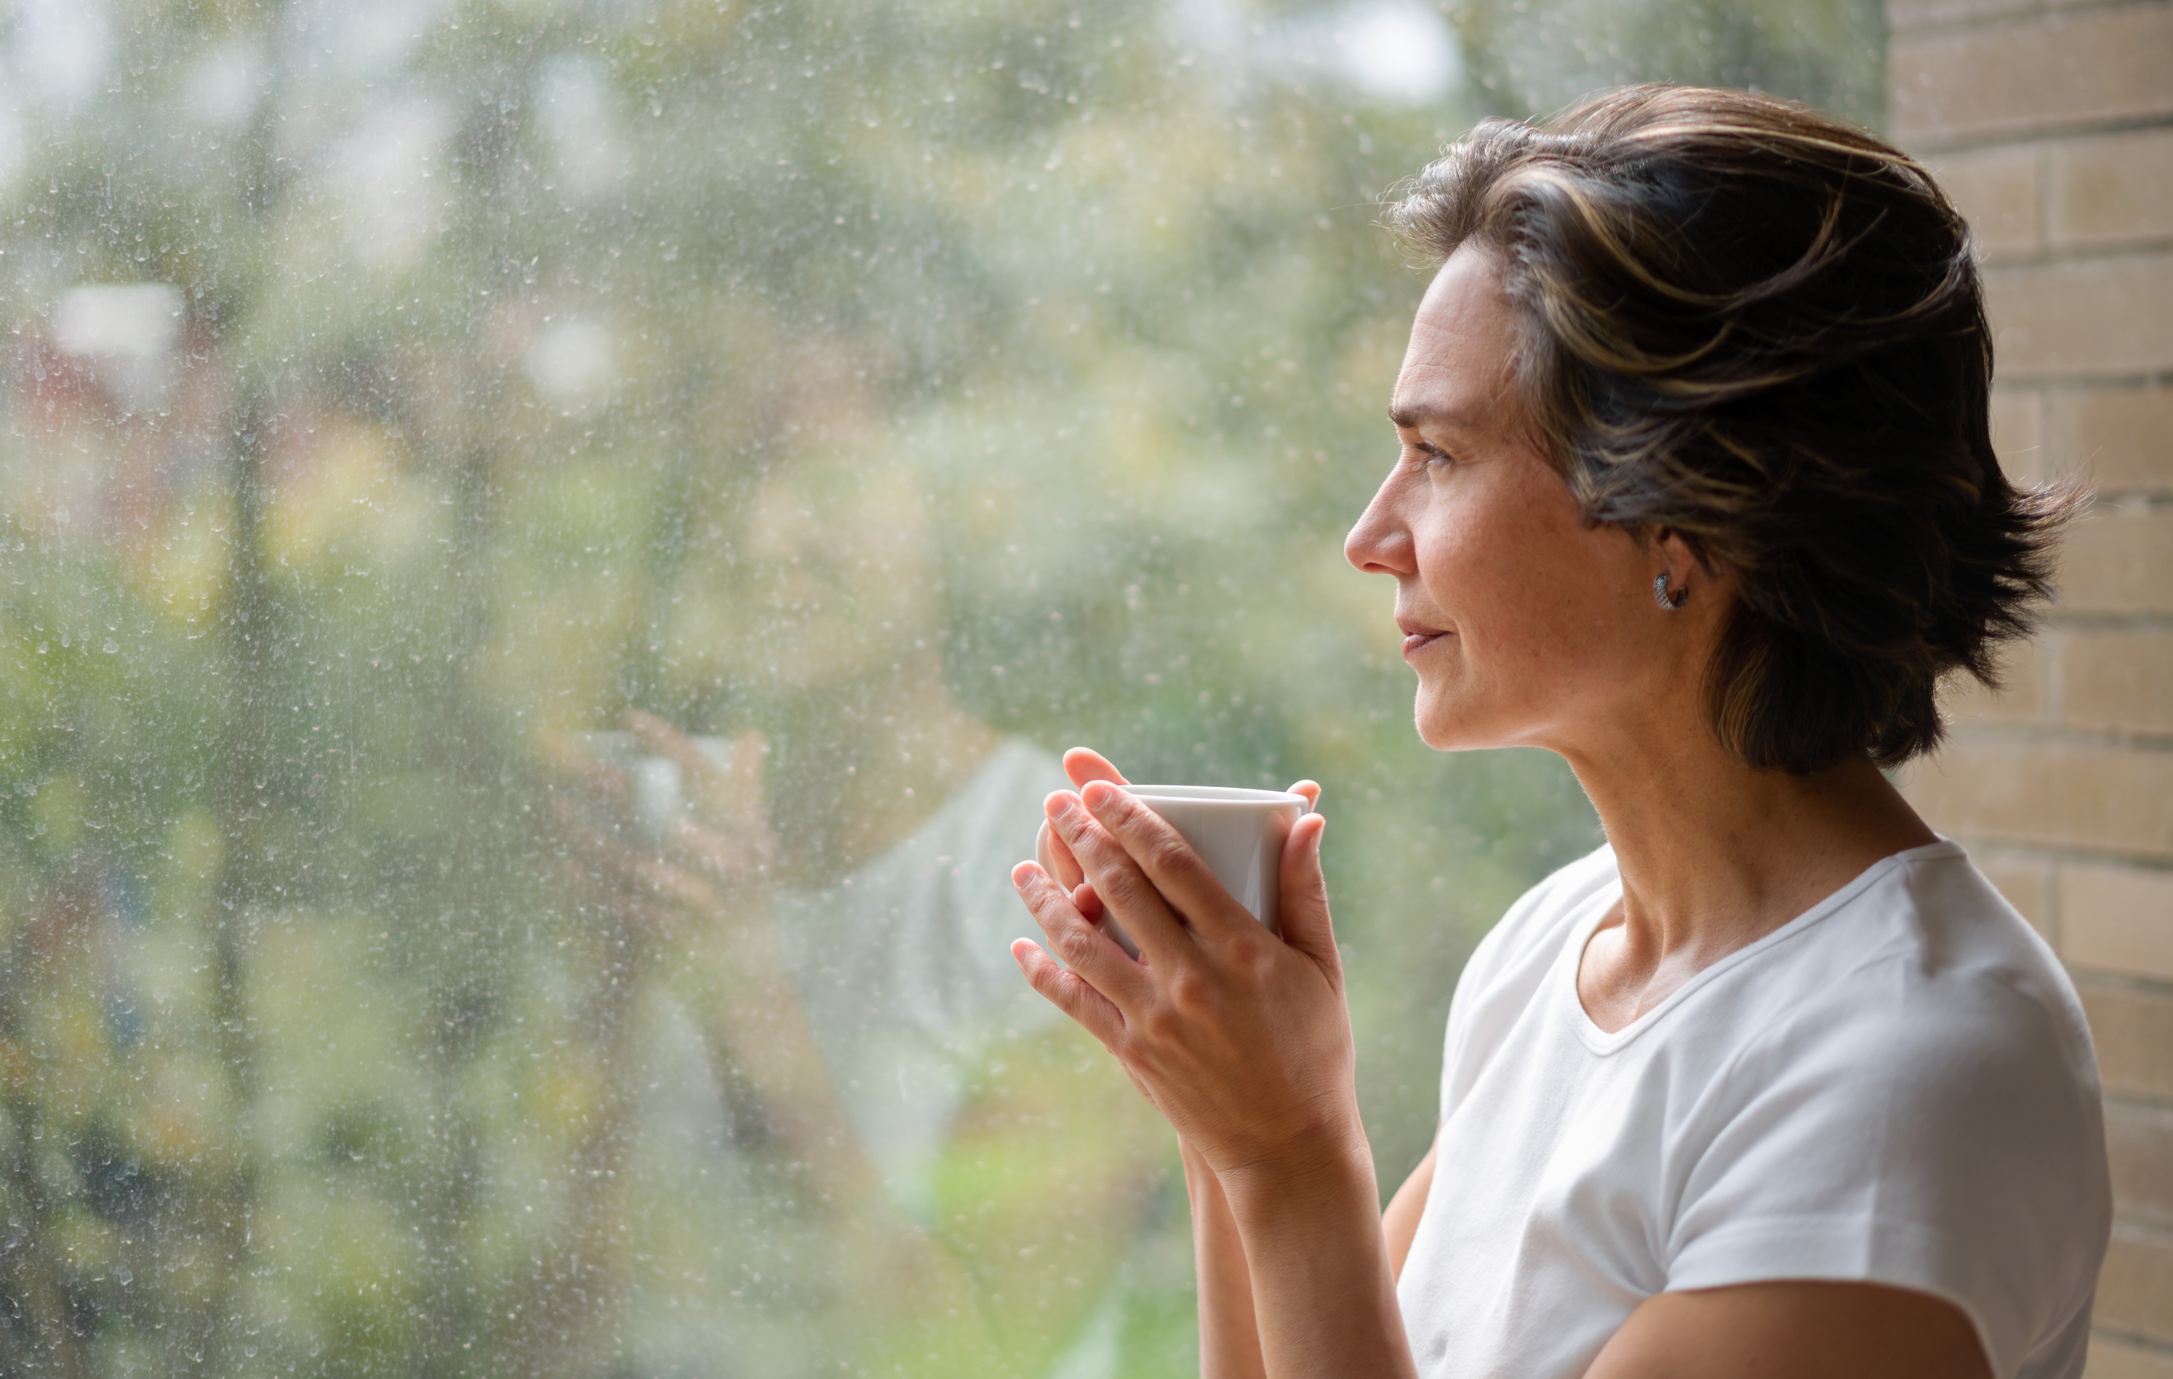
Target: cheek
(1525,587)
(1479,565)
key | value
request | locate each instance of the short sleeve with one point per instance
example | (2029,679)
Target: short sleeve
(1949,1142)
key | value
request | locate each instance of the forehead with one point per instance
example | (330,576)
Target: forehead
(1460,365)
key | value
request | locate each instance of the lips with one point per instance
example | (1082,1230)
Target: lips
(1418,634)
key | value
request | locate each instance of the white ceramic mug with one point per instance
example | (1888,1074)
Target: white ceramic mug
(1239,835)
(659,793)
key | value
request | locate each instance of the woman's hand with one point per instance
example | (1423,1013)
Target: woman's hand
(1238,1036)
(710,873)
(1084,764)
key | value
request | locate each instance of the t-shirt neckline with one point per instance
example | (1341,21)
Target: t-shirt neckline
(1567,963)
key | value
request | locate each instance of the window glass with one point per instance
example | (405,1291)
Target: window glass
(881,394)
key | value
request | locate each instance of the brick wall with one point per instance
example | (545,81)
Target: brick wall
(2052,125)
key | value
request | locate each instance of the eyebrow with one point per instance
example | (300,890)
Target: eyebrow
(1407,417)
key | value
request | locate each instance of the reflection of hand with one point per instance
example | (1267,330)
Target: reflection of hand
(1239,1036)
(713,867)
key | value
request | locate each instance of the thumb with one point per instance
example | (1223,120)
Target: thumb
(1304,909)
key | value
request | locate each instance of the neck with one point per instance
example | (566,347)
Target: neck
(857,765)
(1715,855)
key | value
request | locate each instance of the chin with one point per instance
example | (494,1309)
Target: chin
(1450,727)
(1438,730)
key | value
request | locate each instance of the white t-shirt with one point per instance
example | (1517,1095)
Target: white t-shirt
(1895,1087)
(904,972)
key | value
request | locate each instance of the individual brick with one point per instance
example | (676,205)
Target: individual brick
(2018,433)
(2132,1027)
(2137,1280)
(2118,437)
(2025,881)
(2118,559)
(2139,1146)
(2083,320)
(2113,1358)
(2024,669)
(1996,191)
(2117,679)
(1990,789)
(2061,70)
(2112,190)
(2116,918)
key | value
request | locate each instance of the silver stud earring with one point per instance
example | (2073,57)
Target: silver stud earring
(1661,596)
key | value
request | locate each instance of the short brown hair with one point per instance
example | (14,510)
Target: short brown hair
(1759,328)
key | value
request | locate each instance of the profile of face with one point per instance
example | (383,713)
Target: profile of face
(836,571)
(1526,625)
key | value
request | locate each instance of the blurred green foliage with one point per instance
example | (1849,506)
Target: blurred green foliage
(492,316)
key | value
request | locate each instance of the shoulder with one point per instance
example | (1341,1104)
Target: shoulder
(1926,960)
(1535,924)
(1908,1096)
(1922,998)
(1507,971)
(997,810)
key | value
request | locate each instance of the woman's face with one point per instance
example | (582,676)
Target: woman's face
(1526,626)
(840,580)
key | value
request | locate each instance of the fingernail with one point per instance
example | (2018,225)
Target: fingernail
(1062,812)
(1098,794)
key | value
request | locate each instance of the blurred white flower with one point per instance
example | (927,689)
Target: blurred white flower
(123,333)
(1399,50)
(573,101)
(383,172)
(127,320)
(573,364)
(226,83)
(63,49)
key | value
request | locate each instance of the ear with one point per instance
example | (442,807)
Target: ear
(1678,559)
(1689,570)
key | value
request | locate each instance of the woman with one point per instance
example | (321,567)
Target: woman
(838,1046)
(1695,489)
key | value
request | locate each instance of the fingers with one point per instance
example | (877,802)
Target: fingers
(1086,902)
(1055,858)
(1070,993)
(1172,871)
(633,869)
(1125,891)
(1305,922)
(750,761)
(1084,948)
(728,795)
(573,762)
(663,740)
(1311,791)
(1083,764)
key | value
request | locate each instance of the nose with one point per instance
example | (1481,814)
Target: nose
(1380,542)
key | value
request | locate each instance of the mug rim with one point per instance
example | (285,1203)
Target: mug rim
(1216,794)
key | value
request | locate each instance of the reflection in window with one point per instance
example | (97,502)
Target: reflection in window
(886,395)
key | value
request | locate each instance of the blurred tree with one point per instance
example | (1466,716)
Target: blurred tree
(388,383)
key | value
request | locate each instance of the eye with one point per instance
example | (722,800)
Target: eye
(1433,454)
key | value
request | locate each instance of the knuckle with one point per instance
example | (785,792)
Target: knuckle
(1074,944)
(1124,889)
(1190,990)
(1166,852)
(1159,1025)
